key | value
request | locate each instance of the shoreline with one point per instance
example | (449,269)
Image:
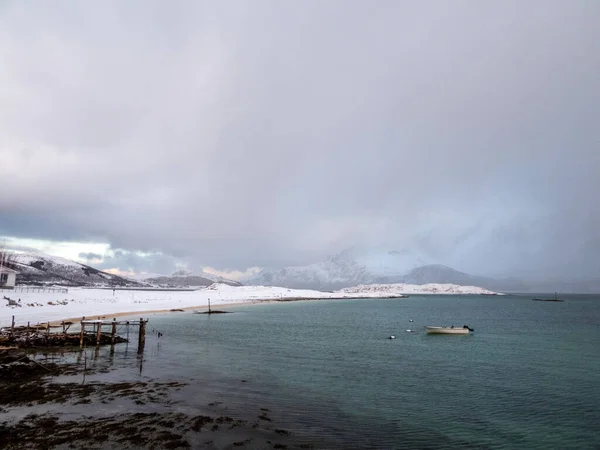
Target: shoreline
(109,316)
(252,302)
(210,423)
(56,307)
(90,303)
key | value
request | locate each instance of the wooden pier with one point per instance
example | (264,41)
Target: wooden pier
(92,332)
(97,325)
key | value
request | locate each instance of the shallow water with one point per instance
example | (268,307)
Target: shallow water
(526,378)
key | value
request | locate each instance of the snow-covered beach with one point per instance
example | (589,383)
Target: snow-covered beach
(36,307)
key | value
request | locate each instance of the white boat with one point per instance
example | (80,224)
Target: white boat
(449,330)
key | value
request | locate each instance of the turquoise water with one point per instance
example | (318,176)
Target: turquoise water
(527,378)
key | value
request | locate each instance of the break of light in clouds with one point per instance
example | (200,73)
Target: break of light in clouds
(266,133)
(98,255)
(77,251)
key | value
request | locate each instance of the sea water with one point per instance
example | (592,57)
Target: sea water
(527,378)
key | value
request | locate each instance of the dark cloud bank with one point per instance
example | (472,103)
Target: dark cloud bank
(237,134)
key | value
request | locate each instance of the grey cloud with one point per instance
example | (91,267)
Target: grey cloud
(90,255)
(11,248)
(273,133)
(128,261)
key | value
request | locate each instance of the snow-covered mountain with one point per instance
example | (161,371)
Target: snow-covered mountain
(347,269)
(185,278)
(335,272)
(438,273)
(353,267)
(382,262)
(42,269)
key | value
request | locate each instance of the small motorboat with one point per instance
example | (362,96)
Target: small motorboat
(449,330)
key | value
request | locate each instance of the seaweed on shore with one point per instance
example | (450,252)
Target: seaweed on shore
(25,383)
(150,430)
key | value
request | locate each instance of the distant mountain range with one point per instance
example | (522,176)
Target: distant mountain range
(347,269)
(437,273)
(39,269)
(337,272)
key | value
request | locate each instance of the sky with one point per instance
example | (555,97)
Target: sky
(145,136)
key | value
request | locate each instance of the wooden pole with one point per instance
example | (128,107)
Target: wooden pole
(12,326)
(142,336)
(64,329)
(114,331)
(48,330)
(98,333)
(82,332)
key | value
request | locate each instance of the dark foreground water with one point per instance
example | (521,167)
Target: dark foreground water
(528,378)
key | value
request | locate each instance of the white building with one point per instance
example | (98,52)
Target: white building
(8,278)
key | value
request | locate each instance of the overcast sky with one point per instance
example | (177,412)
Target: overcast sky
(237,134)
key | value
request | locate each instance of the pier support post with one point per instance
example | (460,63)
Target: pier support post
(98,333)
(12,326)
(142,336)
(82,332)
(47,330)
(113,331)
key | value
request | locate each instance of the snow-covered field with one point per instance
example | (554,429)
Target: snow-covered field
(78,302)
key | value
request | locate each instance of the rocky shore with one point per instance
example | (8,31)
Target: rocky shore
(37,411)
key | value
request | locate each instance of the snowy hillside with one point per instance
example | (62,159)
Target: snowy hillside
(433,273)
(383,262)
(42,269)
(374,266)
(333,273)
(351,267)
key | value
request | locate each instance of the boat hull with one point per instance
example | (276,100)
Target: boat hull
(446,330)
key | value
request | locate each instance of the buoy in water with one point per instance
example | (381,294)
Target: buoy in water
(392,337)
(411,320)
(409,331)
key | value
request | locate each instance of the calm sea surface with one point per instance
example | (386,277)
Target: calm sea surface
(527,378)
